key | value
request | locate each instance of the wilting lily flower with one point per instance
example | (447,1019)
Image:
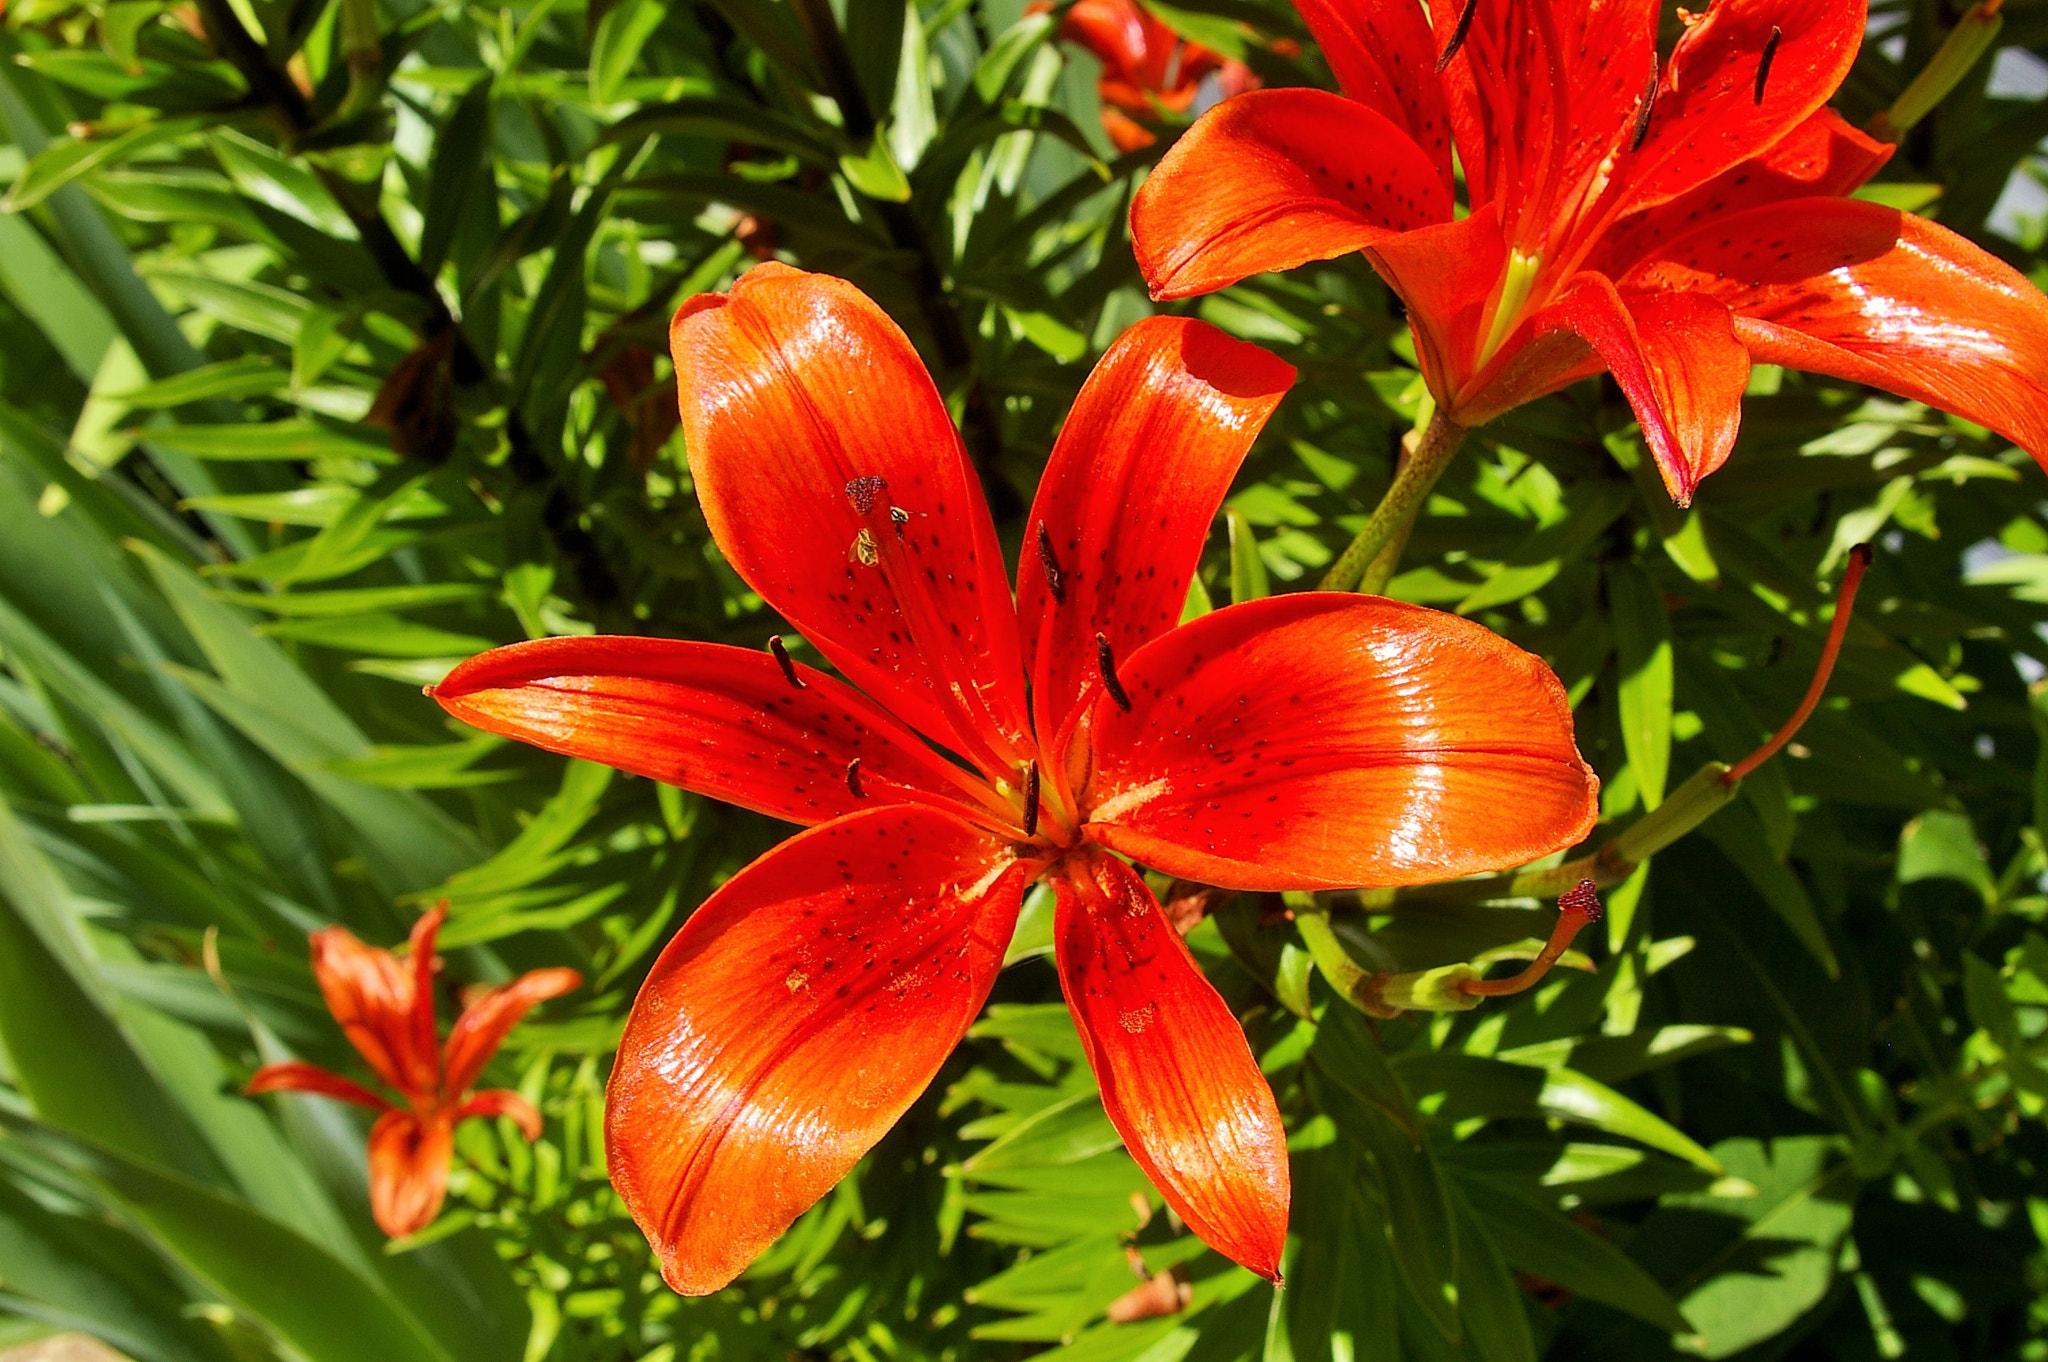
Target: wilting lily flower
(1298,742)
(1668,222)
(1147,68)
(386,1008)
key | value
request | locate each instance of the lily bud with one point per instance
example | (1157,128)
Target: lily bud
(1967,42)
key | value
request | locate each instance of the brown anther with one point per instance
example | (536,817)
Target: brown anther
(782,660)
(1105,661)
(861,492)
(1031,801)
(1576,908)
(1763,65)
(1582,898)
(1845,603)
(1644,109)
(1458,35)
(853,779)
(1055,579)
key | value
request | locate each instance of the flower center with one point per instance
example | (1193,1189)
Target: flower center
(1517,283)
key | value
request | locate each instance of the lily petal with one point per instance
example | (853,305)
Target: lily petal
(1141,465)
(1825,155)
(1541,93)
(1383,52)
(1178,1081)
(409,1170)
(1322,740)
(1870,294)
(1744,75)
(370,993)
(792,1020)
(723,721)
(1273,179)
(295,1075)
(1677,360)
(424,1062)
(835,484)
(485,1023)
(502,1102)
(1447,275)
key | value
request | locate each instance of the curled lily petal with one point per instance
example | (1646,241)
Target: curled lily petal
(501,1102)
(1177,1079)
(409,1157)
(792,1020)
(295,1075)
(727,722)
(1141,466)
(1275,178)
(1324,740)
(835,484)
(485,1023)
(1823,156)
(1867,293)
(1676,358)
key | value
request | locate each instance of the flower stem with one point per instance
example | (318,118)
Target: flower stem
(1413,478)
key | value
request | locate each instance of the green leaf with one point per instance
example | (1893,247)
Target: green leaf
(1941,844)
(294,439)
(1248,580)
(1736,834)
(378,635)
(1066,1132)
(621,34)
(249,376)
(1534,1236)
(66,159)
(992,73)
(1642,646)
(877,174)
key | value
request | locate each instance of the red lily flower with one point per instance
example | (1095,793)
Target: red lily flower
(1147,68)
(1668,224)
(386,1008)
(1297,742)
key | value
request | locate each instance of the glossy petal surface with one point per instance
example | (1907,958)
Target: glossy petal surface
(485,1023)
(1864,292)
(1141,466)
(1177,1079)
(1383,54)
(1676,358)
(409,1170)
(1273,179)
(795,1016)
(295,1075)
(722,721)
(1709,117)
(796,393)
(1323,740)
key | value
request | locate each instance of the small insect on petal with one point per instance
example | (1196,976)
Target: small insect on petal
(1105,660)
(1763,65)
(1055,579)
(782,660)
(864,550)
(853,779)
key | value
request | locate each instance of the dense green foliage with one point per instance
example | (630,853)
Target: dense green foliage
(331,351)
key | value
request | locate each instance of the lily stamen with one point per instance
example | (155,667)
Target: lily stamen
(1845,603)
(1105,662)
(1577,909)
(1458,35)
(1055,578)
(1647,107)
(1031,800)
(783,661)
(1763,65)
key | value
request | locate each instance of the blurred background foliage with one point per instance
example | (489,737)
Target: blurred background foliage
(332,350)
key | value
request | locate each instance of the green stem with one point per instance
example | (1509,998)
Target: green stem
(1412,480)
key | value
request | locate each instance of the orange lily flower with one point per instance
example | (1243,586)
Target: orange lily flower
(386,1008)
(1147,68)
(1667,223)
(1297,742)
